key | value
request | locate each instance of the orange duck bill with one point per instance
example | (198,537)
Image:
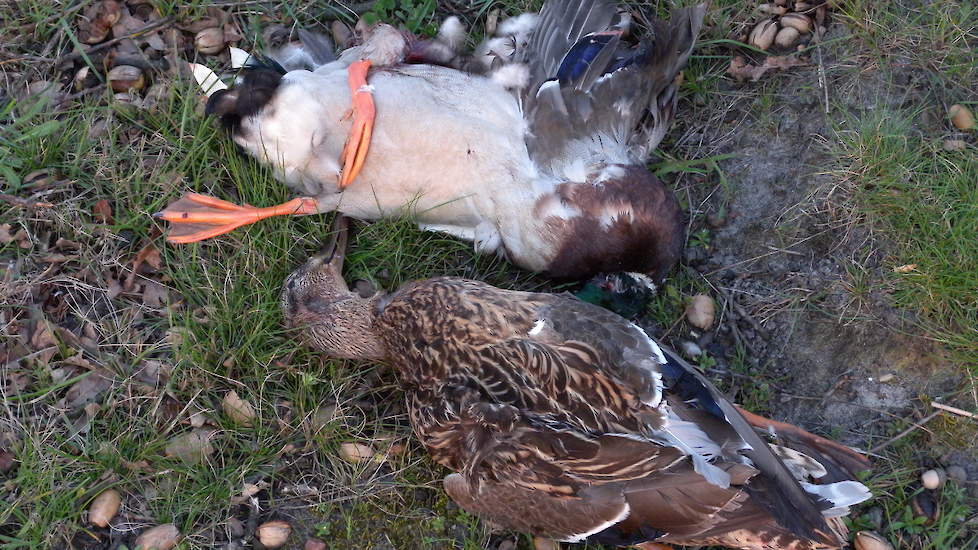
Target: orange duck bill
(195,217)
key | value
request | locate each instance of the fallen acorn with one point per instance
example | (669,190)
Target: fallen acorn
(209,41)
(924,505)
(274,533)
(161,537)
(933,479)
(701,311)
(772,9)
(763,34)
(787,37)
(123,78)
(961,117)
(800,22)
(314,544)
(868,540)
(104,507)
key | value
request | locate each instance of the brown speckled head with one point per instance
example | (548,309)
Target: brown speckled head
(317,301)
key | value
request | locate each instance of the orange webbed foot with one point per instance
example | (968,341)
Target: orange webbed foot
(358,142)
(195,217)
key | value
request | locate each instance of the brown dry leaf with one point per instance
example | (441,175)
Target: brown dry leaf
(89,389)
(147,261)
(65,244)
(192,446)
(97,21)
(239,410)
(154,294)
(741,70)
(905,268)
(44,343)
(102,212)
(248,491)
(5,236)
(23,239)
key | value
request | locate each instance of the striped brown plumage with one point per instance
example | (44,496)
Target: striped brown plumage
(550,414)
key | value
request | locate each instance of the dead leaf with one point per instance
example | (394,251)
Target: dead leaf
(102,212)
(65,244)
(249,491)
(89,389)
(239,410)
(23,239)
(905,268)
(5,236)
(193,446)
(955,145)
(44,343)
(154,294)
(741,70)
(97,20)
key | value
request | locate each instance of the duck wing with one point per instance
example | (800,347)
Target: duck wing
(570,409)
(591,95)
(647,368)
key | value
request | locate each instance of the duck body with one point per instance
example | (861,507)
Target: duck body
(548,171)
(564,420)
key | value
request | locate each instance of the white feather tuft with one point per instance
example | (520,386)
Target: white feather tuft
(452,33)
(515,76)
(842,495)
(801,465)
(239,57)
(207,79)
(518,26)
(694,442)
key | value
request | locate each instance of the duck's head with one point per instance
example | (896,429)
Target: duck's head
(330,317)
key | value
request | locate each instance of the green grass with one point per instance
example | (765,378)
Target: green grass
(925,199)
(220,328)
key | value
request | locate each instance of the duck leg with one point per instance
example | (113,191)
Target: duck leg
(358,141)
(195,217)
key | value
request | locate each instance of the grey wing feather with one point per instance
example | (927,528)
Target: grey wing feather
(625,344)
(633,105)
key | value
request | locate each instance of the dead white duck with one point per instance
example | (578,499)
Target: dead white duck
(543,160)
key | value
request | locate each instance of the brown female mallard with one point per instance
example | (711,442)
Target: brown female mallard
(542,159)
(562,419)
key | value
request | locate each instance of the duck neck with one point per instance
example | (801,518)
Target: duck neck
(350,332)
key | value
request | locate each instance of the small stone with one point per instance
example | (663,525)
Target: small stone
(701,311)
(209,41)
(356,452)
(787,37)
(888,377)
(690,349)
(273,533)
(955,145)
(161,537)
(314,544)
(957,473)
(123,78)
(875,517)
(933,479)
(868,540)
(924,505)
(961,117)
(104,507)
(7,461)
